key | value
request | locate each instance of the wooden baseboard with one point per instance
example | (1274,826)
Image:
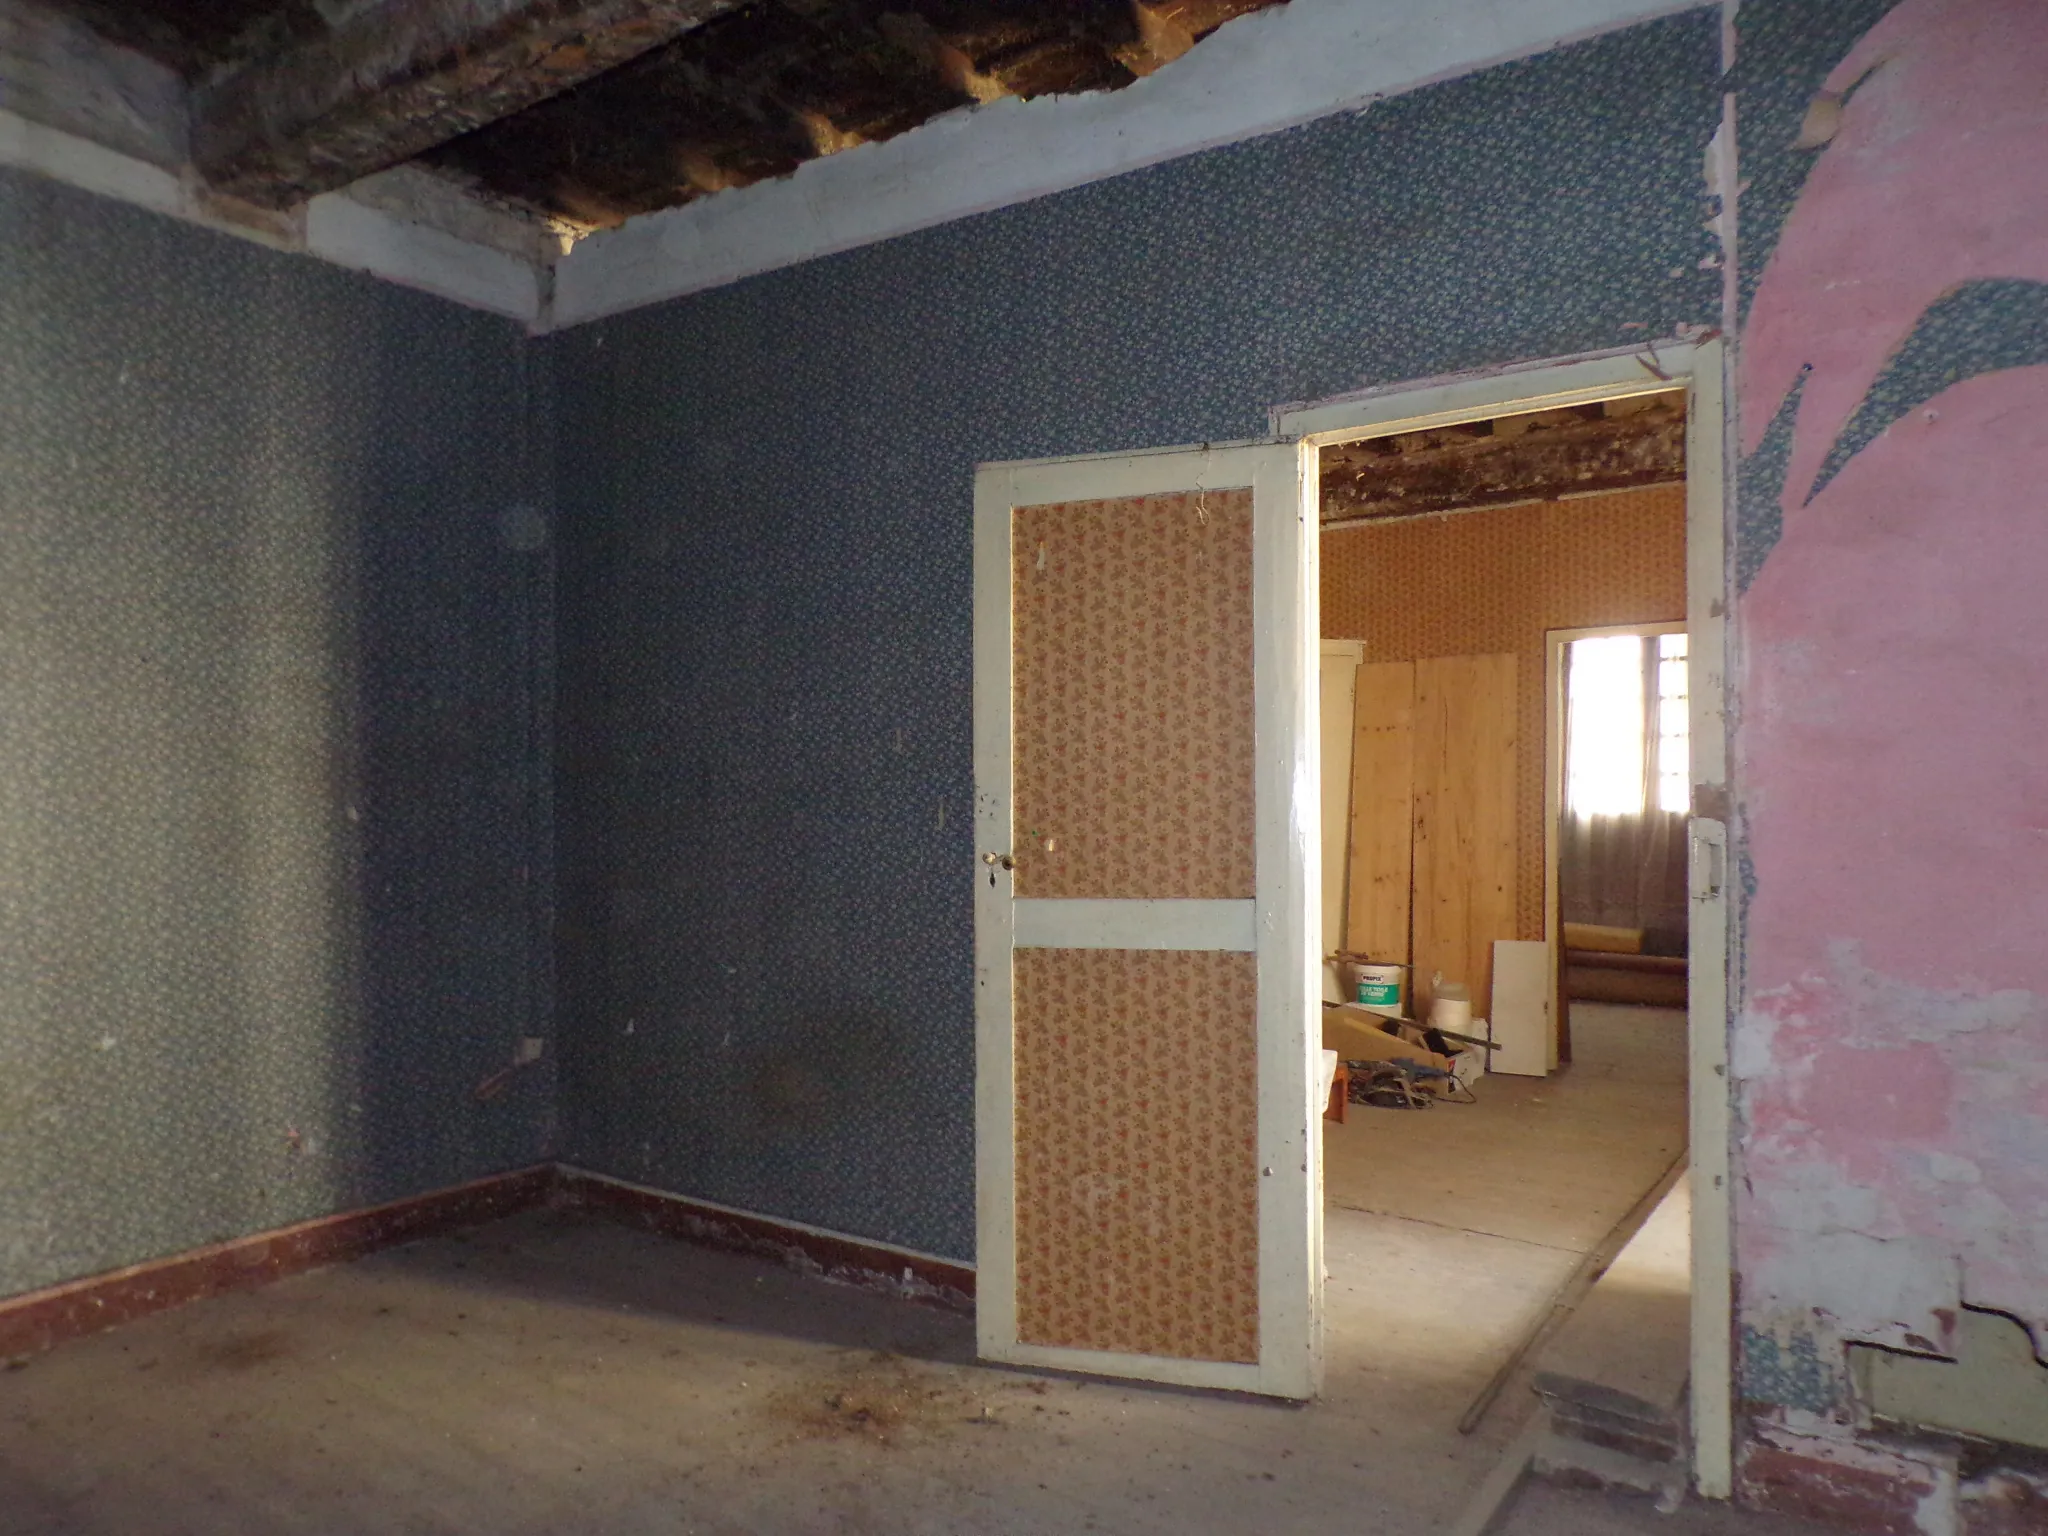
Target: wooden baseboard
(847,1260)
(39,1320)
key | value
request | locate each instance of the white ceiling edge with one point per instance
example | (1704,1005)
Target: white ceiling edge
(351,234)
(1264,72)
(333,227)
(81,110)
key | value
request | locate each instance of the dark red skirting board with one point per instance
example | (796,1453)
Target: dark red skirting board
(846,1260)
(38,1320)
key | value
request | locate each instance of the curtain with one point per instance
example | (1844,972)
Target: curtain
(1626,872)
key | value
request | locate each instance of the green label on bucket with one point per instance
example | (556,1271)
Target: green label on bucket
(1379,994)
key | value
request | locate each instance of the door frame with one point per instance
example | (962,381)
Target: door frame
(1699,367)
(1278,925)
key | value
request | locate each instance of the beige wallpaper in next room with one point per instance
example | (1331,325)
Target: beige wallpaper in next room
(1479,583)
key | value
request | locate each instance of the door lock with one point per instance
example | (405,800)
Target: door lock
(996,861)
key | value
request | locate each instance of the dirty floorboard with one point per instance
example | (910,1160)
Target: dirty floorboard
(556,1374)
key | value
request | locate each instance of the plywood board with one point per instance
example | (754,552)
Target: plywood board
(1521,1008)
(1382,811)
(1137,1152)
(1356,1036)
(1466,735)
(1131,699)
(1339,677)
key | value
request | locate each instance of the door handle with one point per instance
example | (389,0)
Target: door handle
(1709,861)
(996,861)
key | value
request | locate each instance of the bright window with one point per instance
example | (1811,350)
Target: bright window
(1627,731)
(1604,767)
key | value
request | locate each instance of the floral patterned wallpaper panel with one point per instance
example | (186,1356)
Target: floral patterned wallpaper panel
(1137,1192)
(1131,697)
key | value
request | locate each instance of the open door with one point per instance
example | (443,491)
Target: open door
(1146,965)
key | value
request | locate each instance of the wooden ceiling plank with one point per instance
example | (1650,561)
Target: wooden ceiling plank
(747,96)
(759,90)
(1443,471)
(396,78)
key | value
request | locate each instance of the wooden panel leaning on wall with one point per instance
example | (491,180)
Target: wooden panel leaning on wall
(1495,580)
(1466,733)
(1382,812)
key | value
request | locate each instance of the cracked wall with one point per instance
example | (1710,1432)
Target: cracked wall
(1890,1053)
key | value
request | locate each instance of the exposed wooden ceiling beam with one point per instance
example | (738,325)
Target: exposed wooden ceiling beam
(1518,458)
(1163,36)
(916,37)
(395,78)
(756,92)
(751,95)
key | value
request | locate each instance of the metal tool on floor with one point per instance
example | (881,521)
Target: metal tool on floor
(1404,1084)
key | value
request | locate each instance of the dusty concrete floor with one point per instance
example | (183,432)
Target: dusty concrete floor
(1541,1510)
(552,1374)
(1550,1161)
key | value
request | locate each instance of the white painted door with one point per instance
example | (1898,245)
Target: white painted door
(1147,965)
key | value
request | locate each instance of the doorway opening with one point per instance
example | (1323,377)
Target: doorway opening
(1510,580)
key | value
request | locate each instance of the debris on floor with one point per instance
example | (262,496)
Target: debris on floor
(1356,1035)
(1395,1063)
(881,1397)
(1405,1084)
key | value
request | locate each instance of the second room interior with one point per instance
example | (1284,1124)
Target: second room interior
(1504,904)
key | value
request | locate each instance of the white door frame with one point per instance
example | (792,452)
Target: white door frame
(1278,924)
(1698,367)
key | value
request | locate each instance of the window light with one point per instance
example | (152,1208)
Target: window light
(1604,767)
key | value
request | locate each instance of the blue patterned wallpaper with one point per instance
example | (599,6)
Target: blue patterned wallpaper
(274,598)
(764,751)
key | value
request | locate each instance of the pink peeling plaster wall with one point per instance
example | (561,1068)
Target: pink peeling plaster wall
(1891,1054)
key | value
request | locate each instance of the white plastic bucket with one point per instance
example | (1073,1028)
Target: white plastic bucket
(1452,1013)
(1380,988)
(1450,1006)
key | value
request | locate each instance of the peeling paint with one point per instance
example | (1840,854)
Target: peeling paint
(1815,1470)
(1890,1056)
